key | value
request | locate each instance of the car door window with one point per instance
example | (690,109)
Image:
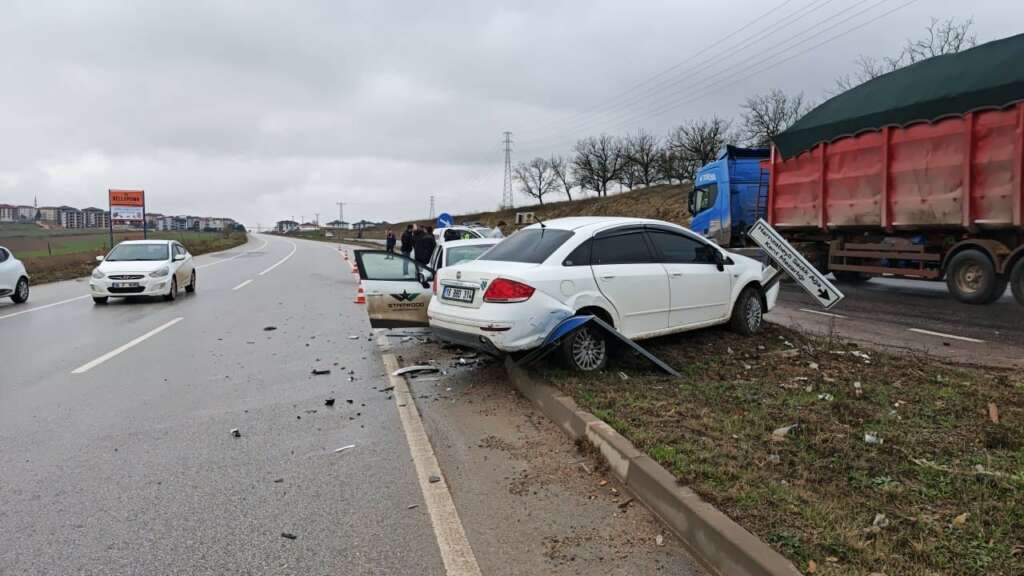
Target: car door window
(580,256)
(627,248)
(3,255)
(383,266)
(680,249)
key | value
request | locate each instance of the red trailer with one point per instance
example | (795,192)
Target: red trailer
(932,188)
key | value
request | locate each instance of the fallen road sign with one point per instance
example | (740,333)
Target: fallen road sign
(786,257)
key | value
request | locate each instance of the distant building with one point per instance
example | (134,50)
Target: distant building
(8,213)
(93,217)
(286,226)
(70,217)
(26,212)
(366,224)
(152,218)
(49,214)
(308,227)
(338,225)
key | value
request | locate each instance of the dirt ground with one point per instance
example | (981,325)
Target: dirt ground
(847,461)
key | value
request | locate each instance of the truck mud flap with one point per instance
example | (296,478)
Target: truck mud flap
(573,323)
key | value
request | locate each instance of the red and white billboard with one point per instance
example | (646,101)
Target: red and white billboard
(127,207)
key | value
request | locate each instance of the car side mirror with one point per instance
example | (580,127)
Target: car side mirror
(100,258)
(179,257)
(719,259)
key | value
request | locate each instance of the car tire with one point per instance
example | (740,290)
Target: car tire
(748,312)
(999,290)
(173,292)
(971,277)
(586,350)
(20,295)
(99,299)
(191,283)
(1017,281)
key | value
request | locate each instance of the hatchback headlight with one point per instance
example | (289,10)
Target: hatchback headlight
(97,274)
(159,273)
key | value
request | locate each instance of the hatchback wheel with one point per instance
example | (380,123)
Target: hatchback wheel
(748,312)
(191,283)
(173,293)
(586,350)
(20,295)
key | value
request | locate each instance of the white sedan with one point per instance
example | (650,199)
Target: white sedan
(644,277)
(143,268)
(13,278)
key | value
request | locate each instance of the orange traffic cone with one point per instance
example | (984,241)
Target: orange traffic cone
(360,295)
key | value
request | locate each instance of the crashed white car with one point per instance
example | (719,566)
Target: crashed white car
(646,278)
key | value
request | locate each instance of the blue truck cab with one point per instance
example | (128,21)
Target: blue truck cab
(730,194)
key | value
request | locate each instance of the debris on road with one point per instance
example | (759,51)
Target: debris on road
(279,480)
(388,389)
(329,402)
(236,433)
(349,401)
(659,540)
(412,506)
(320,372)
(288,535)
(343,448)
(353,337)
(993,412)
(415,369)
(269,328)
(779,434)
(435,479)
(625,503)
(873,438)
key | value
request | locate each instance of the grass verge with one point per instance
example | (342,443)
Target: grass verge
(896,464)
(44,269)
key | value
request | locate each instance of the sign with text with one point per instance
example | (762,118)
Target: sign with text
(785,256)
(127,207)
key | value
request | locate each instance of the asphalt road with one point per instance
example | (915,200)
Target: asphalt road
(116,455)
(914,315)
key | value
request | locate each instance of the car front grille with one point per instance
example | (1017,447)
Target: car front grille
(134,290)
(125,276)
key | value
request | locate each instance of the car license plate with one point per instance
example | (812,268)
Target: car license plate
(125,285)
(458,294)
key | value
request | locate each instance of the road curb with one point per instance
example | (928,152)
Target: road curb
(720,543)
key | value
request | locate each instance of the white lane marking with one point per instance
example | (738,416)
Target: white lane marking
(242,285)
(90,365)
(240,254)
(819,312)
(43,307)
(456,553)
(282,260)
(950,336)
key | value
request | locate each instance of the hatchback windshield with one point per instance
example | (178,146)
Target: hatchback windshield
(531,246)
(464,253)
(130,252)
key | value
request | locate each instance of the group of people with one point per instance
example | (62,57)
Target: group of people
(417,242)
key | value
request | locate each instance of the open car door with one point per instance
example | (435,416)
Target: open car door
(397,289)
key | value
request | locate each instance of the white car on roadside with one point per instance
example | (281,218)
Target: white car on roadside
(645,278)
(398,288)
(13,277)
(143,268)
(458,232)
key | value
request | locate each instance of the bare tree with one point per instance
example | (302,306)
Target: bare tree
(766,115)
(643,154)
(535,178)
(695,143)
(563,174)
(598,162)
(941,37)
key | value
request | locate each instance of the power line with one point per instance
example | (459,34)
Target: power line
(506,194)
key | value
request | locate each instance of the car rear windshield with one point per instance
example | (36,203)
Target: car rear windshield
(133,252)
(531,246)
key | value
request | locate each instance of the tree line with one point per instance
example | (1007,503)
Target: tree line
(598,163)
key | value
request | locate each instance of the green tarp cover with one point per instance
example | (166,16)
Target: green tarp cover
(988,76)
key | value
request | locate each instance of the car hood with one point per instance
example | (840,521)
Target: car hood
(132,266)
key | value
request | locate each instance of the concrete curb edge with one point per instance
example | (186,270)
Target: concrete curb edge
(720,543)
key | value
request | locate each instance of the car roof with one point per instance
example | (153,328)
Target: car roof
(470,242)
(596,222)
(145,242)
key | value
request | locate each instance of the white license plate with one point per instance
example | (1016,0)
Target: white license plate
(124,285)
(458,294)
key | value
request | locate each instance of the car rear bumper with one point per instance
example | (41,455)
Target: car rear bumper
(505,331)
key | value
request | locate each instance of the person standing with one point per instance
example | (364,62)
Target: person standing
(499,230)
(423,245)
(407,241)
(389,244)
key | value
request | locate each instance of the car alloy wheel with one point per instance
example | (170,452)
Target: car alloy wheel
(588,350)
(753,314)
(21,291)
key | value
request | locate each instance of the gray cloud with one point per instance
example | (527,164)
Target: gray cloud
(265,110)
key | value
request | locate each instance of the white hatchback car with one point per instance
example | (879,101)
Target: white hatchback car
(13,278)
(143,268)
(644,277)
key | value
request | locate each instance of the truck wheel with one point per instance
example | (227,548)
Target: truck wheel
(849,277)
(586,350)
(747,312)
(1017,281)
(999,290)
(971,277)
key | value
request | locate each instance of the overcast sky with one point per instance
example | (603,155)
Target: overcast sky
(268,110)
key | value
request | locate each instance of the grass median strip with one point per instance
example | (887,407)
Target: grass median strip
(896,465)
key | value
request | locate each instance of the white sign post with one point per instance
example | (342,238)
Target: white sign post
(793,263)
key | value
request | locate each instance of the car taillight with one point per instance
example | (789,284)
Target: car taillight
(435,284)
(506,291)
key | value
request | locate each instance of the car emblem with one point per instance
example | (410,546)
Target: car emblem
(458,275)
(483,284)
(405,296)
